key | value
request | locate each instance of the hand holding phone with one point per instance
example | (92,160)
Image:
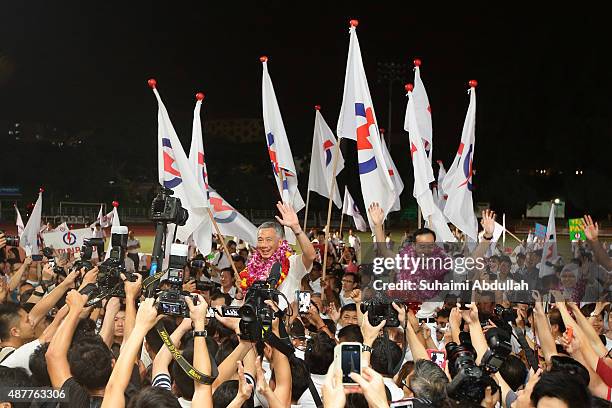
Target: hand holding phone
(347,356)
(438,357)
(303,302)
(570,334)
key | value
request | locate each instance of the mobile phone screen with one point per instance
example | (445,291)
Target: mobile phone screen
(438,357)
(303,302)
(351,361)
(37,258)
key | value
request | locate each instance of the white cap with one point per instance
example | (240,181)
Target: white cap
(179,250)
(123,230)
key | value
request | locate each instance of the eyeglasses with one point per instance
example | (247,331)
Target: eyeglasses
(347,281)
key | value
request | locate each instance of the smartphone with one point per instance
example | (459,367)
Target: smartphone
(303,302)
(570,334)
(37,258)
(464,306)
(438,357)
(347,356)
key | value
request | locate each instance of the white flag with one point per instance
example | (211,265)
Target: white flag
(99,219)
(422,111)
(442,196)
(176,173)
(29,237)
(357,121)
(230,221)
(115,222)
(497,232)
(458,181)
(279,150)
(395,176)
(19,222)
(202,236)
(549,252)
(423,176)
(322,158)
(350,208)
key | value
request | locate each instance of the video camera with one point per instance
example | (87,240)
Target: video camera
(171,302)
(109,275)
(11,240)
(255,315)
(57,270)
(168,209)
(82,259)
(380,308)
(470,381)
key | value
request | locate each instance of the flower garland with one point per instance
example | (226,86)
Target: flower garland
(258,268)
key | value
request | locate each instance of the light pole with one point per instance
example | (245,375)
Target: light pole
(390,72)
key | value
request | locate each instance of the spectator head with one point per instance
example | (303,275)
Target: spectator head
(427,380)
(386,355)
(220,299)
(15,326)
(227,277)
(556,322)
(321,236)
(91,362)
(504,265)
(597,322)
(513,371)
(153,343)
(316,271)
(182,384)
(560,390)
(119,323)
(348,314)
(494,263)
(319,353)
(226,392)
(486,302)
(570,366)
(520,259)
(225,349)
(15,378)
(154,397)
(38,366)
(442,317)
(239,262)
(269,236)
(299,378)
(349,282)
(351,332)
(424,241)
(231,246)
(569,275)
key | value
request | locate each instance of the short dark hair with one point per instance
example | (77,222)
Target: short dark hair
(443,313)
(90,362)
(319,353)
(570,366)
(561,385)
(299,377)
(422,231)
(152,337)
(354,275)
(226,392)
(554,317)
(351,307)
(15,378)
(38,366)
(386,355)
(356,401)
(225,349)
(429,381)
(505,258)
(182,381)
(9,317)
(317,266)
(154,397)
(513,371)
(352,332)
(217,294)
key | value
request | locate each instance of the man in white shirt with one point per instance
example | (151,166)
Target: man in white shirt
(133,245)
(355,242)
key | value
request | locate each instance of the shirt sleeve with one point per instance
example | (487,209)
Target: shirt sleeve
(20,358)
(297,271)
(604,371)
(162,380)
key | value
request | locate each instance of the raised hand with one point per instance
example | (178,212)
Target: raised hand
(369,332)
(189,286)
(455,317)
(47,272)
(244,388)
(333,390)
(488,222)
(356,295)
(288,216)
(197,312)
(2,240)
(377,214)
(591,230)
(75,300)
(471,315)
(146,317)
(70,279)
(90,276)
(372,386)
(132,289)
(333,312)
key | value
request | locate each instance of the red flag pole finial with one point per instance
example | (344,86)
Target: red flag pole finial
(409,87)
(115,203)
(41,190)
(354,23)
(318,107)
(473,83)
(263,58)
(382,130)
(152,83)
(200,96)
(417,62)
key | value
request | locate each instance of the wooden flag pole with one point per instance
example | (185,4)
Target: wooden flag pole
(306,212)
(341,221)
(514,236)
(227,253)
(420,218)
(329,206)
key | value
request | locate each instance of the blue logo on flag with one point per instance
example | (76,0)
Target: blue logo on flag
(169,169)
(363,143)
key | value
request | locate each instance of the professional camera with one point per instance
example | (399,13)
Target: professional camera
(380,308)
(507,314)
(109,275)
(500,348)
(58,270)
(165,208)
(11,240)
(469,381)
(171,302)
(255,315)
(82,258)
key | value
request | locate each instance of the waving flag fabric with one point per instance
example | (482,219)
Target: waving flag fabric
(19,223)
(422,109)
(395,176)
(549,252)
(322,159)
(28,239)
(230,221)
(423,175)
(458,181)
(176,173)
(350,208)
(202,236)
(442,196)
(357,121)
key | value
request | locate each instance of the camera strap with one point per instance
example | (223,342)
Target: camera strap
(184,364)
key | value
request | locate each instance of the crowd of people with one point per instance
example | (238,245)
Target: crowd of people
(449,348)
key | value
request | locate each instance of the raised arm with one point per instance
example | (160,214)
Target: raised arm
(488,224)
(108,323)
(122,371)
(18,275)
(370,334)
(289,219)
(57,353)
(416,347)
(588,330)
(43,306)
(377,216)
(49,332)
(164,357)
(591,230)
(202,396)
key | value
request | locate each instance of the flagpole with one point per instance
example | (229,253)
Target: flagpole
(306,212)
(504,232)
(329,205)
(419,218)
(227,253)
(341,221)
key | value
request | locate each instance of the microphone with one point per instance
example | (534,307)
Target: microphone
(275,274)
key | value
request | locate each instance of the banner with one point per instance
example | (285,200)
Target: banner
(69,241)
(576,229)
(540,231)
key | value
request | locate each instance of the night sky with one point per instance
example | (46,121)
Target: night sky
(543,96)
